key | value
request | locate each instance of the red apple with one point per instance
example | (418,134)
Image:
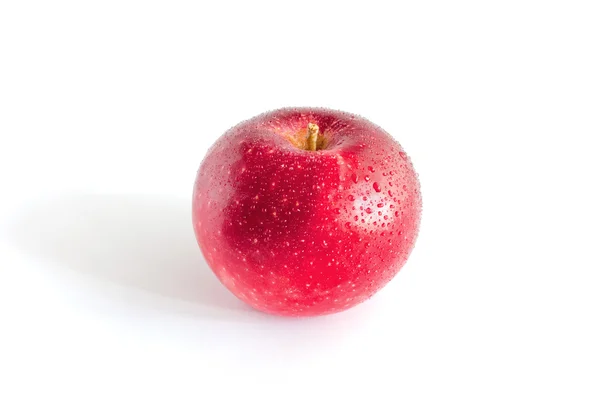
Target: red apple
(306,211)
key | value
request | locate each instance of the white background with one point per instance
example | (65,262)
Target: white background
(108,107)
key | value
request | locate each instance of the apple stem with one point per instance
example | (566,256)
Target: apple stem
(313,135)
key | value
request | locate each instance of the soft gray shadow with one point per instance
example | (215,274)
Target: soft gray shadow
(145,243)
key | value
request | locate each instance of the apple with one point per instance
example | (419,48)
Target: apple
(306,211)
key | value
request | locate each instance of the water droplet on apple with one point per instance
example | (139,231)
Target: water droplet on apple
(377,187)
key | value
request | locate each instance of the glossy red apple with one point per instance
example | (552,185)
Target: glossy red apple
(306,211)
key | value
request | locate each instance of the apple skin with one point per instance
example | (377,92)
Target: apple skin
(296,232)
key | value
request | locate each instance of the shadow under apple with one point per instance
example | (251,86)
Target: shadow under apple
(145,243)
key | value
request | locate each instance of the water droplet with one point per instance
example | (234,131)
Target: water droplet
(351,198)
(380,205)
(369,211)
(371,169)
(376,187)
(354,178)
